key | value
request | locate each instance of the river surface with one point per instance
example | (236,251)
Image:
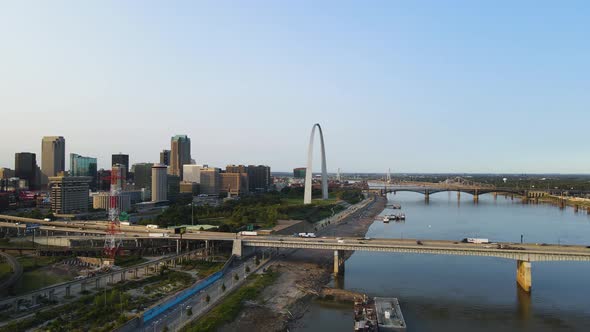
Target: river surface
(459,293)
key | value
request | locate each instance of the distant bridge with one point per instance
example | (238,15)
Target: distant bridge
(427,189)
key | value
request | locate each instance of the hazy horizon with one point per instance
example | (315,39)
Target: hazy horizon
(418,87)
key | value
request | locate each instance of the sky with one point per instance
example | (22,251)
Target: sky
(415,86)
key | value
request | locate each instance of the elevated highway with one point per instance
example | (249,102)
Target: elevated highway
(524,254)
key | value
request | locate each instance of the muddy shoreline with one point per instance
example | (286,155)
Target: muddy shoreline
(303,276)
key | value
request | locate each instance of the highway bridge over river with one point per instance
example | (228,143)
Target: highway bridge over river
(523,254)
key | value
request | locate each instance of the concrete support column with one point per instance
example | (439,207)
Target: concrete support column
(122,276)
(476,198)
(458,195)
(82,286)
(97,283)
(426,196)
(34,299)
(68,291)
(237,247)
(51,294)
(523,275)
(135,273)
(338,263)
(15,306)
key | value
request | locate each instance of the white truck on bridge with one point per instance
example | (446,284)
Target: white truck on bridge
(476,240)
(306,235)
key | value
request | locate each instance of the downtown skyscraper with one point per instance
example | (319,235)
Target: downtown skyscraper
(53,156)
(180,154)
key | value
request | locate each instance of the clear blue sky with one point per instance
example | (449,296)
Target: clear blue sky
(415,86)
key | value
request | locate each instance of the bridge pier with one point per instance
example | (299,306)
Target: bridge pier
(426,196)
(338,264)
(237,248)
(68,291)
(475,198)
(458,195)
(523,275)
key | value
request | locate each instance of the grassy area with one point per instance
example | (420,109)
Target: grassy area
(127,261)
(5,271)
(35,276)
(16,244)
(231,306)
(33,280)
(104,311)
(203,267)
(299,201)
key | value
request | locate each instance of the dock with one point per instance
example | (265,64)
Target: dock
(389,315)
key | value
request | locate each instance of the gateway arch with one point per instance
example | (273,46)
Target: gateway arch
(309,170)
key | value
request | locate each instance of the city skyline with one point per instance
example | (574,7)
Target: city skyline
(415,87)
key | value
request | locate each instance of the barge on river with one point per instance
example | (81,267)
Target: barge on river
(381,314)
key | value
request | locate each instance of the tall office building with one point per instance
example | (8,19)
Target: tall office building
(233,183)
(299,172)
(121,159)
(165,157)
(236,169)
(104,180)
(84,166)
(210,181)
(69,194)
(118,176)
(25,167)
(142,175)
(53,156)
(259,179)
(192,173)
(6,173)
(172,187)
(159,183)
(180,154)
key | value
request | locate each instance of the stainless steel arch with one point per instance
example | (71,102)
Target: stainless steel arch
(309,171)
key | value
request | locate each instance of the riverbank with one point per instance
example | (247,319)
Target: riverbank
(302,276)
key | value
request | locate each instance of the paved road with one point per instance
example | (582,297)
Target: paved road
(176,317)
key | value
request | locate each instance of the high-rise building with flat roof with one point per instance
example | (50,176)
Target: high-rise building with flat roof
(104,180)
(142,175)
(210,181)
(299,172)
(180,154)
(233,183)
(259,179)
(173,187)
(159,183)
(165,157)
(84,166)
(121,159)
(192,173)
(53,156)
(118,176)
(236,169)
(6,173)
(69,194)
(25,168)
